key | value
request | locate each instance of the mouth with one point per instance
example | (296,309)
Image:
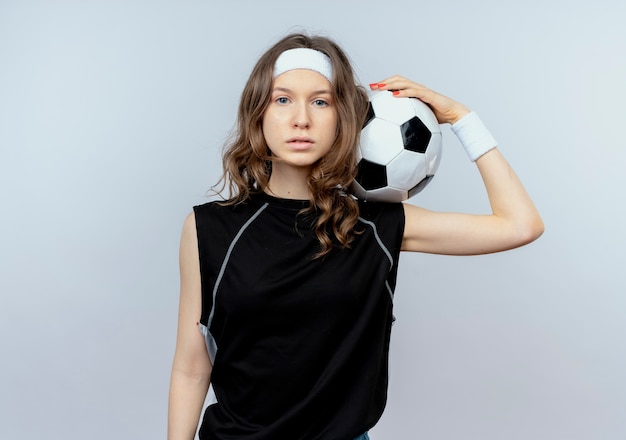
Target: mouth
(300,142)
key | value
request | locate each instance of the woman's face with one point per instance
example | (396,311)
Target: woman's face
(300,122)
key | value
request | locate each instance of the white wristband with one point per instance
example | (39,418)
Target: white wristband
(473,135)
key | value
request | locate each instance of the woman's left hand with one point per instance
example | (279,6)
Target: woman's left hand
(446,110)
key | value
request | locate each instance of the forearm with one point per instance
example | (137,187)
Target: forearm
(509,201)
(512,208)
(186,398)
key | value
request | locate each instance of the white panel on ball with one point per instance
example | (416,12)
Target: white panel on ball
(434,153)
(381,141)
(390,108)
(406,170)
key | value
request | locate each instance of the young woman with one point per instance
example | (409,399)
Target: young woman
(287,286)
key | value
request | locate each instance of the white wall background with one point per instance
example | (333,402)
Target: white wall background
(112,117)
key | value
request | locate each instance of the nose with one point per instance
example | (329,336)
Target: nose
(301,118)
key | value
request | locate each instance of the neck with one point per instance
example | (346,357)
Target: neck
(289,182)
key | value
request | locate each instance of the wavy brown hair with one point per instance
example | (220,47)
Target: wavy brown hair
(247,159)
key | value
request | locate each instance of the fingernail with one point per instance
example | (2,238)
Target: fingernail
(396,92)
(373,85)
(381,85)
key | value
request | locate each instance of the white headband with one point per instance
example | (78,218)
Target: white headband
(303,58)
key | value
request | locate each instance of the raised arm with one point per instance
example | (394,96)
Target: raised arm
(191,370)
(514,220)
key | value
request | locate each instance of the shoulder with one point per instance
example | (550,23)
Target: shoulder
(381,211)
(190,222)
(223,217)
(189,239)
(211,206)
(213,209)
(386,220)
(225,206)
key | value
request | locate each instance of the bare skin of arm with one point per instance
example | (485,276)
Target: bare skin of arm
(191,370)
(514,220)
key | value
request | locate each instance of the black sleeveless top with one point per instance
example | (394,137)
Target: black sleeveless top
(299,345)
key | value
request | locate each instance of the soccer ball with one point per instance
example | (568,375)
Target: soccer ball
(400,149)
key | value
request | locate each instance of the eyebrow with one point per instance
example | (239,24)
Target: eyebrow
(316,92)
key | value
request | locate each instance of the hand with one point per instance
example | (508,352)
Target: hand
(446,110)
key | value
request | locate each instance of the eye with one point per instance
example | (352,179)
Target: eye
(320,103)
(282,100)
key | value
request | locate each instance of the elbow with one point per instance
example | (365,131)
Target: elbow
(530,231)
(536,228)
(197,375)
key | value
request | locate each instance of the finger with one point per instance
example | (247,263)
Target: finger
(396,79)
(399,83)
(403,87)
(392,83)
(411,90)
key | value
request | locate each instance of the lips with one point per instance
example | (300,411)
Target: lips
(300,142)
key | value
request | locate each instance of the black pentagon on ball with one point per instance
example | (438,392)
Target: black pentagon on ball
(369,116)
(371,175)
(420,186)
(415,135)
